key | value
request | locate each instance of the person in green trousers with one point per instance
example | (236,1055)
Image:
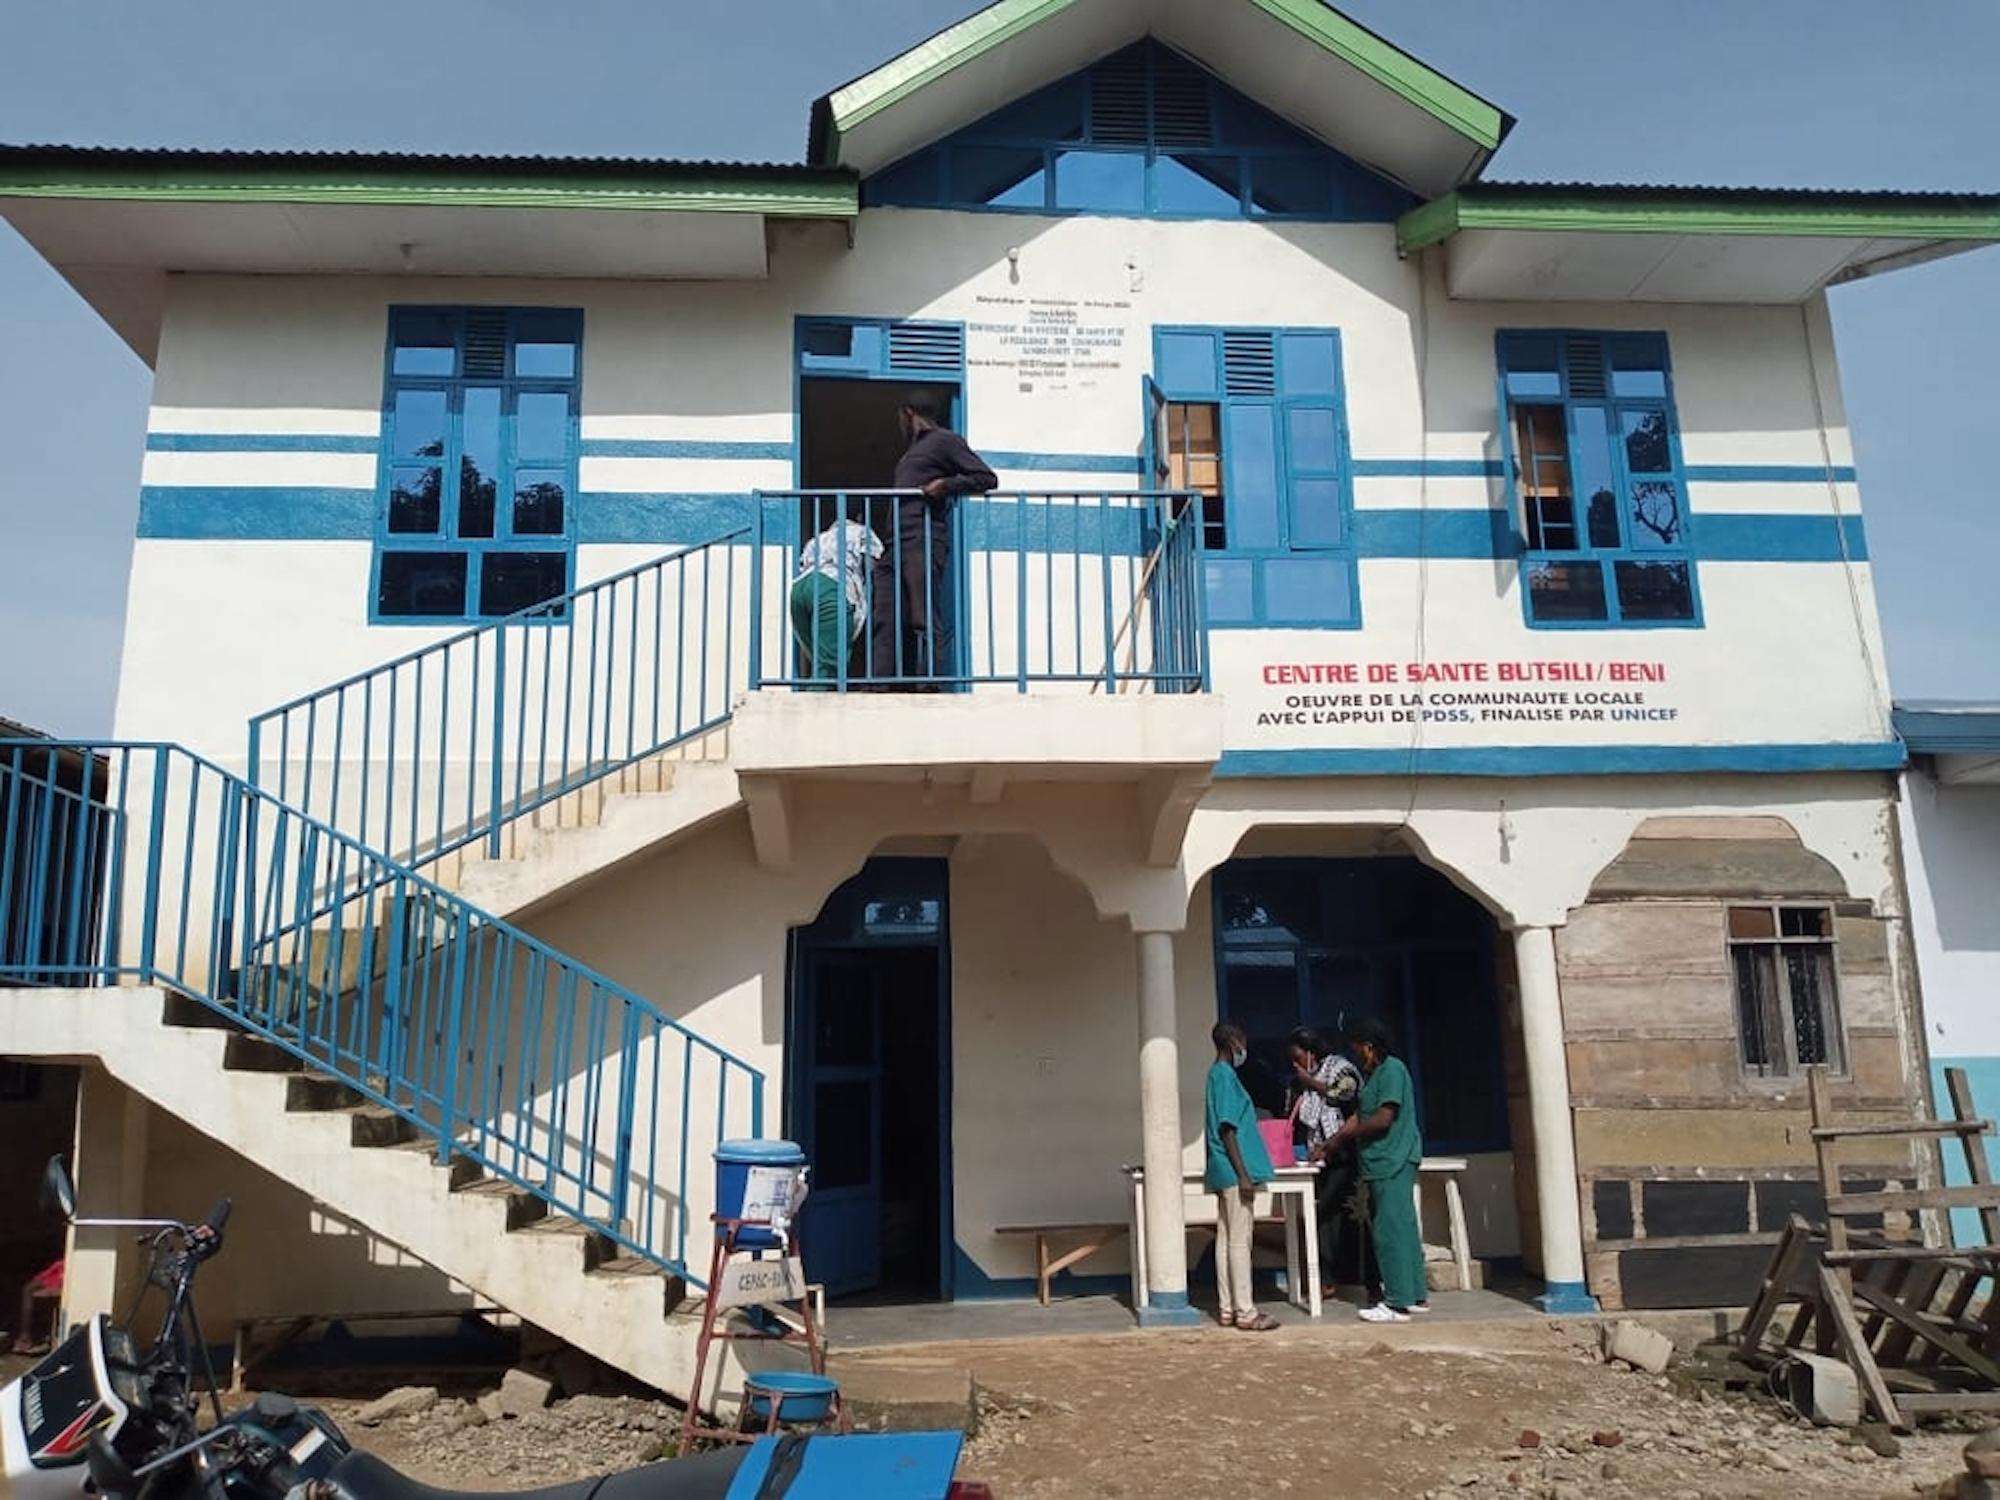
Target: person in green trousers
(830,592)
(1385,1125)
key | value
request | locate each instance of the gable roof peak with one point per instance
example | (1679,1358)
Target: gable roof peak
(1303,59)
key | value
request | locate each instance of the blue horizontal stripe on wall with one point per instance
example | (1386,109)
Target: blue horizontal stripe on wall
(258,442)
(1767,473)
(253,513)
(665,519)
(1765,538)
(1468,535)
(682,448)
(677,518)
(1564,760)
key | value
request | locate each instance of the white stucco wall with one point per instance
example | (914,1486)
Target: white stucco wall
(1951,852)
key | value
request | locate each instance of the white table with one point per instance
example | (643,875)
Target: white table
(1290,1193)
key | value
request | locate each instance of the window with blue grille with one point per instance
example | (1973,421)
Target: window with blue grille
(1594,457)
(1144,132)
(478,481)
(1255,421)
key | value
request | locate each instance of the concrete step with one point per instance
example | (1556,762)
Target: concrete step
(311,1093)
(186,1011)
(244,1053)
(375,1128)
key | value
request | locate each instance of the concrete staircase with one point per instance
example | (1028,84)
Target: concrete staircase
(625,815)
(374,1166)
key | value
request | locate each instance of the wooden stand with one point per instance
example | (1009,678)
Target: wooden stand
(717,1325)
(1898,1313)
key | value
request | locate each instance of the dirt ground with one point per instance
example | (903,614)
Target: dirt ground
(1422,1410)
(1409,1411)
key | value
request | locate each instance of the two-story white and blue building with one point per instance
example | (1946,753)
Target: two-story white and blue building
(1407,594)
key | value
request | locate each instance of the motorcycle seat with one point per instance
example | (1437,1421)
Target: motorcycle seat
(706,1476)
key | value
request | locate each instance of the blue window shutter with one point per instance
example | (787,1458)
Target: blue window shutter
(1251,481)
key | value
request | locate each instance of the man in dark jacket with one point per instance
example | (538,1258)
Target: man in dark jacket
(909,623)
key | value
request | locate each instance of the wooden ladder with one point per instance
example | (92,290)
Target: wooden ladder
(1900,1314)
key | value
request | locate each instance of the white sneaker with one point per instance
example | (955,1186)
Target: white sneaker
(1418,1307)
(1382,1312)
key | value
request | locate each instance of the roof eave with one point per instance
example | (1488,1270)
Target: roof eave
(326,178)
(1620,210)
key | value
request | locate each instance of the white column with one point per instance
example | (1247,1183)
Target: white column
(108,1164)
(1160,1122)
(1555,1140)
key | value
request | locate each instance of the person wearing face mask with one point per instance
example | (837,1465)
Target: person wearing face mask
(1237,1162)
(910,633)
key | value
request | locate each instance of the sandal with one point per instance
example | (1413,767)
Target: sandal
(1261,1323)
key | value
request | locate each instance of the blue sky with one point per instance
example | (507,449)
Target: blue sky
(1823,93)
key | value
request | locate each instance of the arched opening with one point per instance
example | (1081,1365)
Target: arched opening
(868,1081)
(1318,926)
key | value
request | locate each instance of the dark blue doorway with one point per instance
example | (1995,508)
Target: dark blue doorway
(1319,942)
(868,1083)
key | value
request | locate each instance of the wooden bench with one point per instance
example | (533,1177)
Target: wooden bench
(1095,1238)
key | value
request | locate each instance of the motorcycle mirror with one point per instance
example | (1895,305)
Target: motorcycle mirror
(57,1191)
(108,1472)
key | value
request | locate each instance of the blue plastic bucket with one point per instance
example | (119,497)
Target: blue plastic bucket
(733,1161)
(800,1397)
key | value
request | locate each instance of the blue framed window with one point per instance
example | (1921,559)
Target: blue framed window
(478,485)
(1255,420)
(1145,132)
(1594,457)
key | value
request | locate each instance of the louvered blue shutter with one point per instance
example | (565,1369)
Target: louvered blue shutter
(1250,447)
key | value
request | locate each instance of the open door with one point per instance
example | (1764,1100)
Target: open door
(1156,437)
(840,1117)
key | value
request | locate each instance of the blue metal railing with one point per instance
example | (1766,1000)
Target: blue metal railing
(883,590)
(500,1049)
(444,746)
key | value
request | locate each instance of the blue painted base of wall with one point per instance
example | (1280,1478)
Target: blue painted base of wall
(1983,1073)
(1169,1310)
(1564,1297)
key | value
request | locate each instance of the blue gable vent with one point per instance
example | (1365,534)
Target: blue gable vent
(1146,132)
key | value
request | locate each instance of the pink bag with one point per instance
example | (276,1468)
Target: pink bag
(1277,1136)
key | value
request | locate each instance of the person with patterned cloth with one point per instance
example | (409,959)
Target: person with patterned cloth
(1325,1086)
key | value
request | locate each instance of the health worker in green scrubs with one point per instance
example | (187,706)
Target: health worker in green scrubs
(1385,1125)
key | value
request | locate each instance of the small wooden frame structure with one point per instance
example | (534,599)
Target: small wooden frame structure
(1918,1324)
(800,1329)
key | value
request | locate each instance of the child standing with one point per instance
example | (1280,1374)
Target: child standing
(1237,1162)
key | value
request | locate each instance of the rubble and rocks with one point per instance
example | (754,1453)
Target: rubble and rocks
(523,1391)
(404,1401)
(1641,1347)
(462,1443)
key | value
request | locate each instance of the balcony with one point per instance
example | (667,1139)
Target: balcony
(999,642)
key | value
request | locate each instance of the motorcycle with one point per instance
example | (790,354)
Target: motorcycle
(108,1415)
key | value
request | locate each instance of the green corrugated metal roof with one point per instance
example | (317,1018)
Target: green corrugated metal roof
(1676,209)
(785,190)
